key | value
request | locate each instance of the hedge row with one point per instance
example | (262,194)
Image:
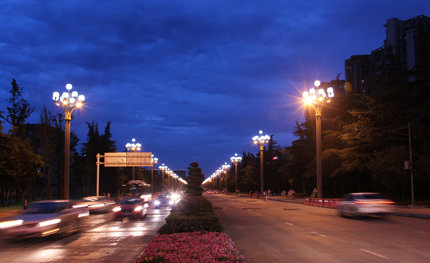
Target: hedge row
(192,214)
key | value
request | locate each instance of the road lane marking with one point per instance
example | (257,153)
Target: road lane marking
(373,253)
(318,234)
(288,223)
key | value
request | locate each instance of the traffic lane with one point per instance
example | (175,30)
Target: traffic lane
(312,234)
(111,241)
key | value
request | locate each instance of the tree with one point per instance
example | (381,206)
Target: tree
(194,179)
(19,111)
(111,179)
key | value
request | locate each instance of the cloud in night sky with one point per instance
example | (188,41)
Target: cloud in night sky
(190,80)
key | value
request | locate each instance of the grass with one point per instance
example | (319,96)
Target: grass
(11,207)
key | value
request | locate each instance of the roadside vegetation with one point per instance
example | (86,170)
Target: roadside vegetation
(193,232)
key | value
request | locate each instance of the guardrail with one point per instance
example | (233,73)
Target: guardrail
(321,202)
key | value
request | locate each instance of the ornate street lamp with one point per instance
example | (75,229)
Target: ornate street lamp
(261,141)
(163,169)
(68,102)
(154,160)
(236,159)
(133,147)
(318,97)
(225,167)
(219,173)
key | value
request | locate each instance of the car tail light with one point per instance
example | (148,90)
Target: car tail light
(386,202)
(361,202)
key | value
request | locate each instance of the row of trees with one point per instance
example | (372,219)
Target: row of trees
(32,156)
(364,142)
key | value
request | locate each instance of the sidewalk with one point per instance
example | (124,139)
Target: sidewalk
(416,211)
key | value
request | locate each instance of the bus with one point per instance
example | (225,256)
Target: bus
(137,188)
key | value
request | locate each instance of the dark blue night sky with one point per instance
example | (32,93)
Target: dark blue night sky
(190,80)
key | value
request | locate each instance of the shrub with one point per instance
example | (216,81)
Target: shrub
(193,205)
(179,223)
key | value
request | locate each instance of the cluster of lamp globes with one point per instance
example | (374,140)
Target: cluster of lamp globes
(68,99)
(317,95)
(235,159)
(134,146)
(169,172)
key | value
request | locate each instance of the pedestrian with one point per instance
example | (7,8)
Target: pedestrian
(267,195)
(314,192)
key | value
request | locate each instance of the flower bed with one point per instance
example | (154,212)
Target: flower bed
(191,247)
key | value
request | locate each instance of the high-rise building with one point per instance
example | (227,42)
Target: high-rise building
(356,70)
(407,42)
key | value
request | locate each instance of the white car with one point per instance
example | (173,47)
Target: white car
(362,204)
(96,203)
(42,219)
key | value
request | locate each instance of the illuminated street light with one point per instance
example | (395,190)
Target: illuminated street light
(163,169)
(219,173)
(68,102)
(154,160)
(225,167)
(318,97)
(261,141)
(236,159)
(133,147)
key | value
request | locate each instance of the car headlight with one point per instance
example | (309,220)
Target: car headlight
(171,202)
(116,209)
(157,202)
(139,208)
(50,222)
(7,224)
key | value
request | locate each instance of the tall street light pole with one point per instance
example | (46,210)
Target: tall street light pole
(225,167)
(318,97)
(68,102)
(163,169)
(133,147)
(261,141)
(219,172)
(236,159)
(154,160)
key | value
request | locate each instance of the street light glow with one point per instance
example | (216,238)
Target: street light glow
(318,96)
(69,101)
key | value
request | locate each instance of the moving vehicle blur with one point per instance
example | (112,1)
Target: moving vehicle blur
(44,218)
(166,199)
(131,207)
(96,203)
(364,204)
(137,188)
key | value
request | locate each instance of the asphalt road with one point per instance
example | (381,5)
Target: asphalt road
(288,232)
(100,240)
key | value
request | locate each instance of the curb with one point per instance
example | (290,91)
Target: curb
(405,214)
(415,215)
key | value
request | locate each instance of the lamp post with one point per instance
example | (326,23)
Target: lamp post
(225,167)
(163,169)
(261,141)
(219,172)
(68,102)
(133,147)
(318,97)
(235,159)
(154,160)
(169,174)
